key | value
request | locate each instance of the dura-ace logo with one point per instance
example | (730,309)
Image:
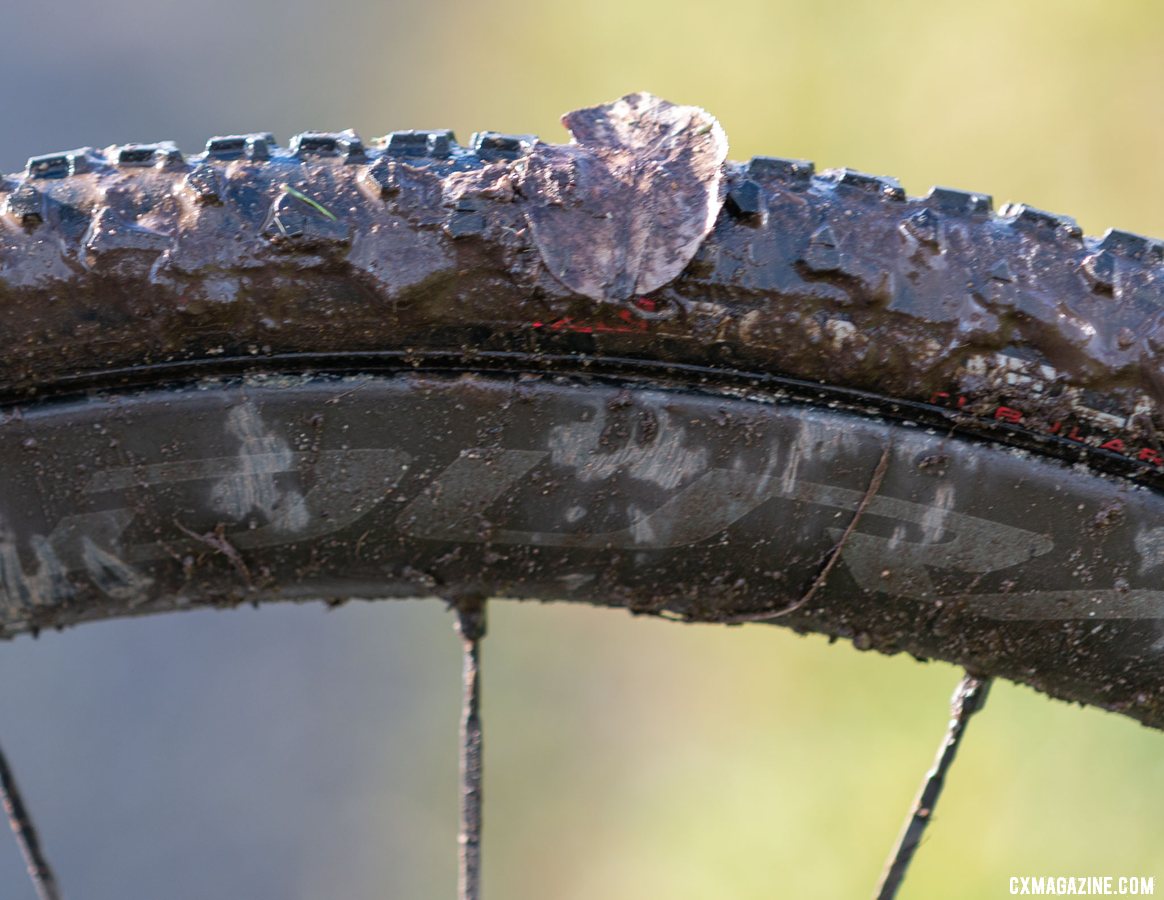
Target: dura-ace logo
(348,485)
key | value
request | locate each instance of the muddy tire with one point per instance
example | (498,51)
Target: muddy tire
(415,368)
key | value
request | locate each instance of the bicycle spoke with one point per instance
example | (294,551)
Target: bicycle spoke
(38,868)
(968,698)
(471,626)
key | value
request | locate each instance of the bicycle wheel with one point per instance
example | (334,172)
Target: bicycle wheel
(620,371)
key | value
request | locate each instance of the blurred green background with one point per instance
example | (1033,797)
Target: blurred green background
(293,753)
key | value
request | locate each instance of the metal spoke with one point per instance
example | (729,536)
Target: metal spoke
(968,698)
(471,626)
(39,870)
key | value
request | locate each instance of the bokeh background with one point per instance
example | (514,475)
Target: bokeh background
(298,753)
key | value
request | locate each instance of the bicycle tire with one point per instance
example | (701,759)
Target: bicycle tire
(415,368)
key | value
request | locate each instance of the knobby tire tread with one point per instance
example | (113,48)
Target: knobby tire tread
(1010,325)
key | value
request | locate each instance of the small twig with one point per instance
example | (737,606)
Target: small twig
(471,627)
(38,868)
(968,698)
(834,555)
(216,540)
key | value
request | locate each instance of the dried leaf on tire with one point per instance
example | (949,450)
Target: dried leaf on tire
(622,209)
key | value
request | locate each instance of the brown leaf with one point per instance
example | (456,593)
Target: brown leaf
(622,209)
